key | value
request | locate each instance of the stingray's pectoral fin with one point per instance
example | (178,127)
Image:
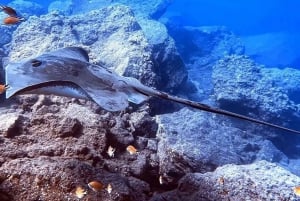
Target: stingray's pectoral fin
(108,99)
(136,97)
(116,101)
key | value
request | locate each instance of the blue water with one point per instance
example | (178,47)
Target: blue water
(256,22)
(246,17)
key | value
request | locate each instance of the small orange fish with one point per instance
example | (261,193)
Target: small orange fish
(297,190)
(96,186)
(12,20)
(3,88)
(131,149)
(9,11)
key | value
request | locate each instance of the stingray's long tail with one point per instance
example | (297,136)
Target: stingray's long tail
(200,106)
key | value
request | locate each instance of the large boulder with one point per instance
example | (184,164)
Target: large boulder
(259,181)
(54,144)
(193,141)
(112,36)
(164,53)
(54,178)
(200,48)
(288,78)
(63,7)
(243,86)
(208,43)
(258,92)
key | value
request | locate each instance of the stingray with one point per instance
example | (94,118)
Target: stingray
(68,72)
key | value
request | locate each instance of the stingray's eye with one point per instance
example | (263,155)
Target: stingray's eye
(35,63)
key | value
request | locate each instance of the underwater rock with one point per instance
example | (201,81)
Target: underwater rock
(287,78)
(112,36)
(238,79)
(135,165)
(63,144)
(193,141)
(119,135)
(67,127)
(200,48)
(143,124)
(62,7)
(258,181)
(147,9)
(77,138)
(9,126)
(167,62)
(207,43)
(81,7)
(53,178)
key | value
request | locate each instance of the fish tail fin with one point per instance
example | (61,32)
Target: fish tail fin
(207,108)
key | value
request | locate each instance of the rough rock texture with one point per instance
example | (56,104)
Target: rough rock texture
(56,178)
(144,9)
(288,78)
(244,87)
(208,43)
(113,38)
(50,145)
(192,141)
(237,79)
(9,127)
(63,7)
(59,144)
(200,48)
(153,9)
(258,181)
(164,54)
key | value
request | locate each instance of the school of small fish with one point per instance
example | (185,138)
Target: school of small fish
(12,17)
